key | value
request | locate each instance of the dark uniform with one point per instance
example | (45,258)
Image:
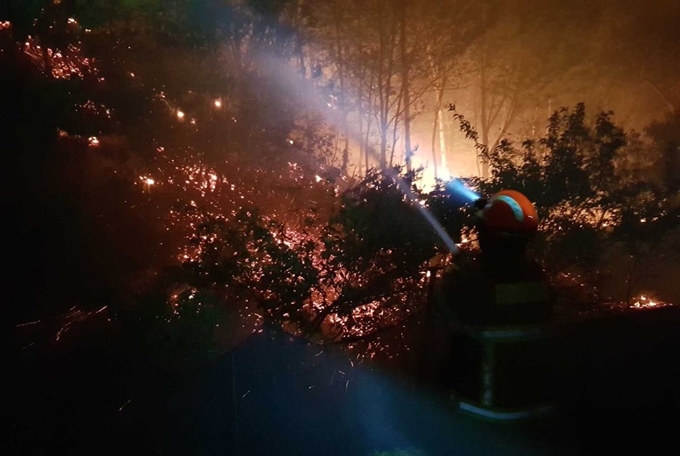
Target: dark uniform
(479,291)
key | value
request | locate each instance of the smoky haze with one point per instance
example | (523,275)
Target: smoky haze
(506,65)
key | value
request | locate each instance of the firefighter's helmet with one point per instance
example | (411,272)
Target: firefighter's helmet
(509,211)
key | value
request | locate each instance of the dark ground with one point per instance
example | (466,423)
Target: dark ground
(277,396)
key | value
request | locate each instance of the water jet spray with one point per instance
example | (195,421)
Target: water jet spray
(298,86)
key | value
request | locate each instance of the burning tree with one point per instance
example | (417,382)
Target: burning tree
(361,273)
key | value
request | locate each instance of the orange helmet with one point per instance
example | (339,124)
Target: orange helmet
(510,211)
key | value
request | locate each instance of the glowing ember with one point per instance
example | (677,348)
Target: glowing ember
(149,181)
(645,302)
(65,63)
(93,141)
(5,25)
(180,114)
(218,103)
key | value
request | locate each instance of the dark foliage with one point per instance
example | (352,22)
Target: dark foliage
(596,211)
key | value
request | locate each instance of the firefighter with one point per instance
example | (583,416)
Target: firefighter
(494,302)
(501,285)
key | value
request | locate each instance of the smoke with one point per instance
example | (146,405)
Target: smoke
(297,86)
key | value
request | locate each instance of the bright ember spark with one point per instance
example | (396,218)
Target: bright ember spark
(93,141)
(180,114)
(218,104)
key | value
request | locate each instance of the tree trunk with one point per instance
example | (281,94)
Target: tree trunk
(435,127)
(343,107)
(443,149)
(360,110)
(406,96)
(381,91)
(369,123)
(439,119)
(395,127)
(388,42)
(484,116)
